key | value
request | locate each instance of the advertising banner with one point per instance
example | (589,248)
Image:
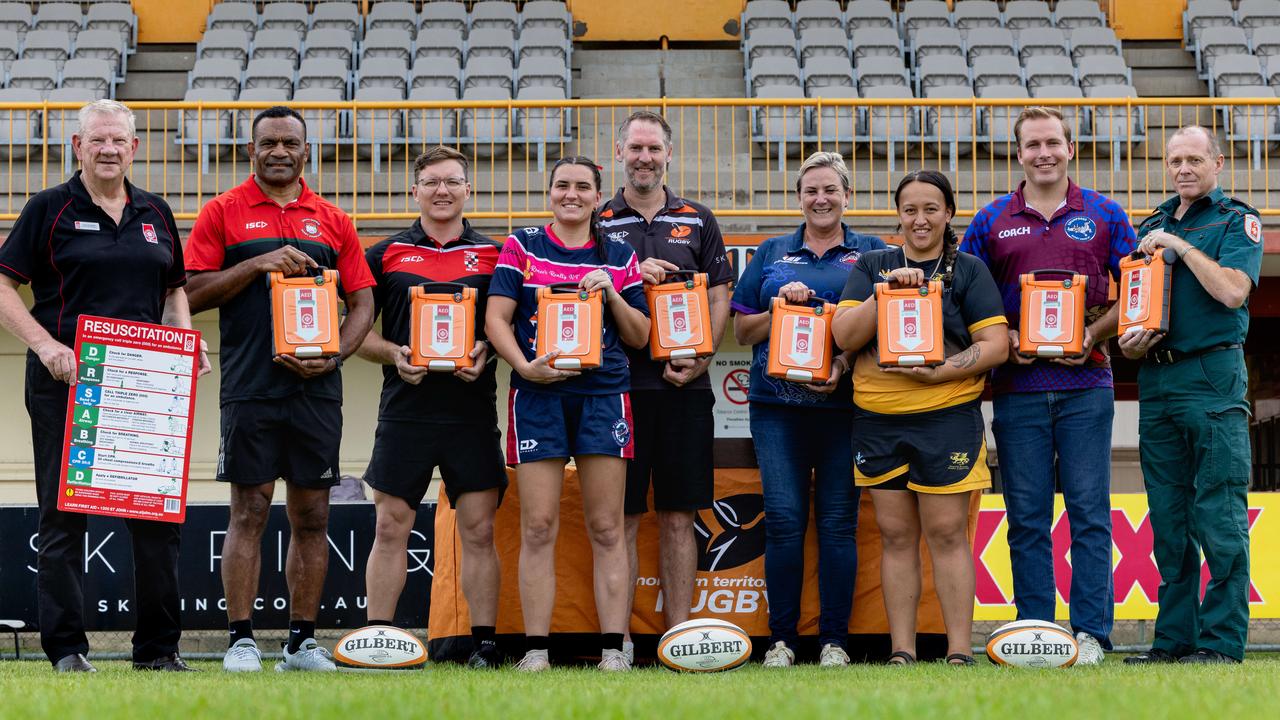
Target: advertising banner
(1136,578)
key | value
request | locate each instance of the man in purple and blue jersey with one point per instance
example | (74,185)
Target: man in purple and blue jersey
(1053,417)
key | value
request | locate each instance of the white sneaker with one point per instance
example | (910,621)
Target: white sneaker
(534,661)
(614,661)
(309,658)
(243,656)
(779,656)
(833,656)
(1091,652)
(629,651)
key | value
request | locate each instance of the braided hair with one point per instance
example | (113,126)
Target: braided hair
(950,243)
(602,252)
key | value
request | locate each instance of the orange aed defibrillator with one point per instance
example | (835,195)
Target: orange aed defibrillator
(571,321)
(1145,284)
(800,344)
(681,317)
(1052,317)
(442,326)
(909,325)
(304,314)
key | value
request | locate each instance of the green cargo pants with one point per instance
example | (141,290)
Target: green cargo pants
(1194,443)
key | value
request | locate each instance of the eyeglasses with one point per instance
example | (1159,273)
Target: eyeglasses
(452,183)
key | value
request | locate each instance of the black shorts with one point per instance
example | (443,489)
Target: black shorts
(939,451)
(406,455)
(674,436)
(295,438)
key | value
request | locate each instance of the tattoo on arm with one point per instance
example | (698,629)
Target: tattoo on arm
(966,358)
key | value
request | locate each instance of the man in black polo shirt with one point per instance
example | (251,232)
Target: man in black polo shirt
(432,419)
(97,245)
(671,401)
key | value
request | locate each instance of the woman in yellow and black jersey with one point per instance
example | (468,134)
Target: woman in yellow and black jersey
(920,443)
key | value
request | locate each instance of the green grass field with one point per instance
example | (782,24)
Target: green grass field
(1242,692)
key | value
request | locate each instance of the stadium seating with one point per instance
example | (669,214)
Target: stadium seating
(450,16)
(1024,48)
(23,126)
(343,16)
(441,51)
(15,17)
(1069,14)
(1027,14)
(814,14)
(285,16)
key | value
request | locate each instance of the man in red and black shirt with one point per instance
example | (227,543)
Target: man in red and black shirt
(433,419)
(281,416)
(672,401)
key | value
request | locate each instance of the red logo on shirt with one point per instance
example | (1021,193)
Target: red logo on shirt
(311,228)
(149,233)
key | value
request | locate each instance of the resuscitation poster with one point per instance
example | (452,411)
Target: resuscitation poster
(126,449)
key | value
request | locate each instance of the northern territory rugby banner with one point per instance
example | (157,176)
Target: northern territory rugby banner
(730,584)
(1137,579)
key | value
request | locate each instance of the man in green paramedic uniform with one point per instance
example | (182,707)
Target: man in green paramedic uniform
(1193,417)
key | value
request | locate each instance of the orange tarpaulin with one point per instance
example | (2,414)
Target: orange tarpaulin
(730,584)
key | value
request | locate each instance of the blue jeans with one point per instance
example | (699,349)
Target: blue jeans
(1073,427)
(794,444)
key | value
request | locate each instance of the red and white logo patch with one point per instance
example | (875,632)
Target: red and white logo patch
(149,233)
(470,260)
(311,228)
(1253,228)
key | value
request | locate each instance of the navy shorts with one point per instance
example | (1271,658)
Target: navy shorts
(295,438)
(675,435)
(546,425)
(938,451)
(406,455)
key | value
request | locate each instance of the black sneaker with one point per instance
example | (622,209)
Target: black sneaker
(1154,656)
(485,657)
(1208,657)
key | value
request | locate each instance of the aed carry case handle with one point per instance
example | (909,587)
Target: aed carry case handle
(451,287)
(1055,271)
(568,287)
(1168,255)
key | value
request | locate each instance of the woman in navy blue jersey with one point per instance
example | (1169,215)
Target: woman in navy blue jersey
(556,414)
(802,431)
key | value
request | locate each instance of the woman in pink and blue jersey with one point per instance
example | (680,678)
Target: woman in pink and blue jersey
(556,414)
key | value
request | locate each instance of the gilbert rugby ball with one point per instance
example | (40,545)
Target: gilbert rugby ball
(704,645)
(1032,644)
(379,647)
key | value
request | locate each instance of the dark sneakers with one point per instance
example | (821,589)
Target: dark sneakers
(73,663)
(167,663)
(485,657)
(1154,656)
(1208,657)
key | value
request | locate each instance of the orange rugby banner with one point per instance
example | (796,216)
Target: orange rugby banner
(730,584)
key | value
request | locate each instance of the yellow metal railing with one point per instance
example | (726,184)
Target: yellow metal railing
(736,155)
